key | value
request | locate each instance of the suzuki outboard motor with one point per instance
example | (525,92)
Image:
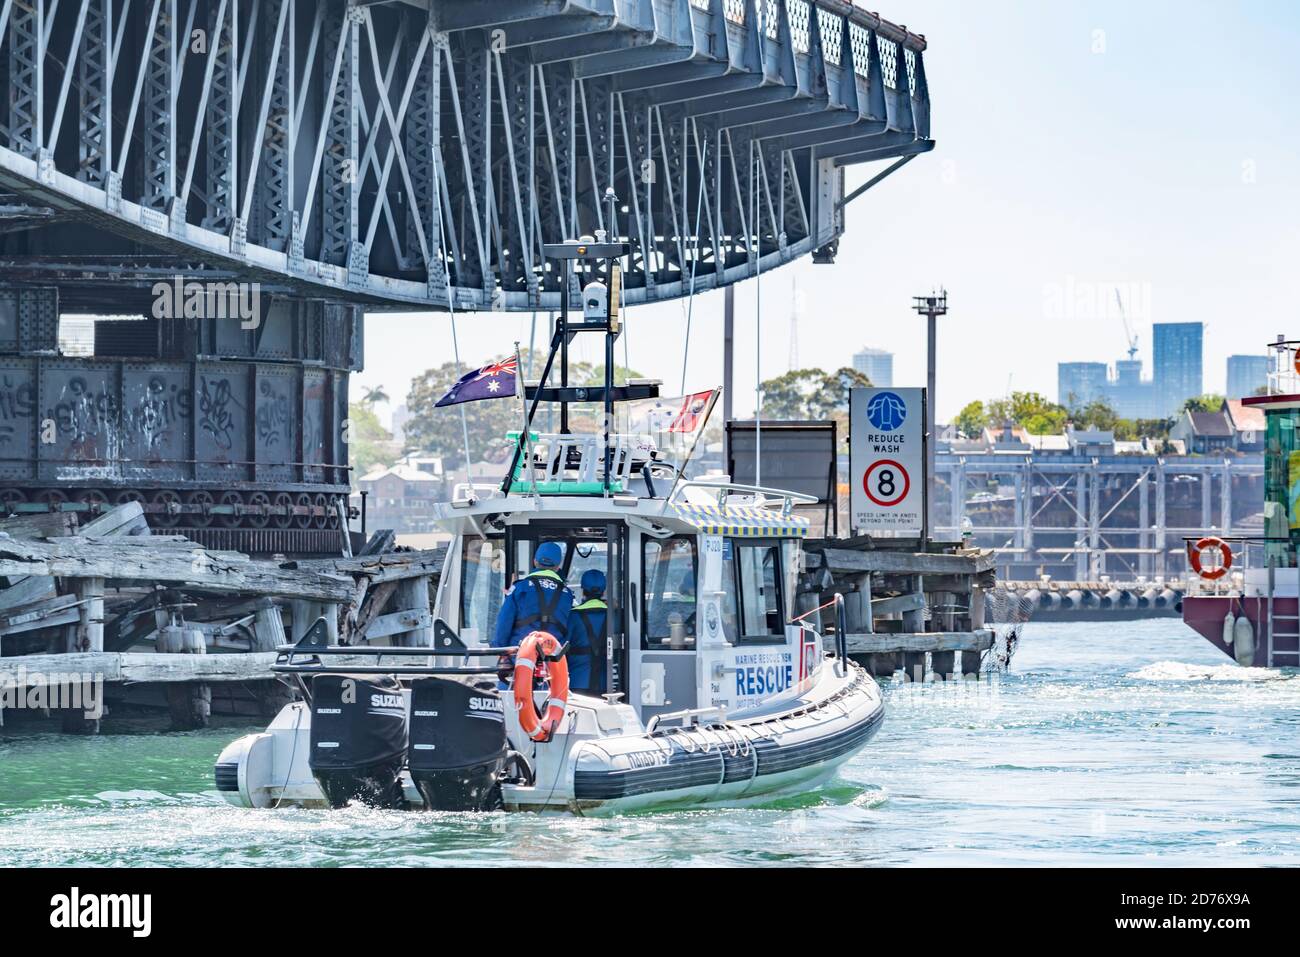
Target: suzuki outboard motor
(458,745)
(358,739)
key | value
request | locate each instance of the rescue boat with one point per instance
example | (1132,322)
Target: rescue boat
(720,689)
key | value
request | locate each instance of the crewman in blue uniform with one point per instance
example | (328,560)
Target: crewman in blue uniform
(586,652)
(537,602)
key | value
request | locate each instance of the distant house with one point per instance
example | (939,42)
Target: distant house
(1090,442)
(1050,444)
(944,436)
(401,497)
(1248,426)
(1006,438)
(1204,433)
(1147,446)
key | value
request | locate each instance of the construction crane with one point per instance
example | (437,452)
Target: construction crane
(1131,339)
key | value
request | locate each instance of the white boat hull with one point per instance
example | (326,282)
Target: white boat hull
(602,761)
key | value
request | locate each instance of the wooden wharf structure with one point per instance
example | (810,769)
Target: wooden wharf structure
(112,602)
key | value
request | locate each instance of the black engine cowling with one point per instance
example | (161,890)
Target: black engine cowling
(358,739)
(458,745)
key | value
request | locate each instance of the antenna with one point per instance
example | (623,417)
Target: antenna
(932,307)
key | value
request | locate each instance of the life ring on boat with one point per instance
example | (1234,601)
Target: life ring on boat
(1212,574)
(531,650)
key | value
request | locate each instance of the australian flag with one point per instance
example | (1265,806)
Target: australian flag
(493,381)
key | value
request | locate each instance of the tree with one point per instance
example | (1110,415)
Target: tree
(971,420)
(1097,414)
(374,396)
(811,394)
(369,443)
(1153,428)
(1131,430)
(1032,411)
(1204,403)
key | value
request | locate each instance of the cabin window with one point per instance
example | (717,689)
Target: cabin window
(752,575)
(1282,486)
(668,575)
(482,587)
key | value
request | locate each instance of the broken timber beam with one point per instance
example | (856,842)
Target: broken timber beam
(141,667)
(852,561)
(917,642)
(112,558)
(392,566)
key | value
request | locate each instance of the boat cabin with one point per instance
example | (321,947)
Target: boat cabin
(701,592)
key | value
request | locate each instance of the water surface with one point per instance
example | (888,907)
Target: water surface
(1120,744)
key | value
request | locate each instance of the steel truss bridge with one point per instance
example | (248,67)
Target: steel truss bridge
(1083,518)
(418,154)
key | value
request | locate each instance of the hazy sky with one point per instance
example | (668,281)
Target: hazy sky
(1082,144)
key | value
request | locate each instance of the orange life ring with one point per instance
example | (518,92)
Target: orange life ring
(1215,573)
(531,650)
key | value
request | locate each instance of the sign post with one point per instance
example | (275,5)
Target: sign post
(887,480)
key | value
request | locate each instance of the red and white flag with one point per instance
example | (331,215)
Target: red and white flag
(669,422)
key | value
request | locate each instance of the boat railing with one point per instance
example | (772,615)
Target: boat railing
(685,716)
(574,463)
(307,656)
(762,497)
(1283,373)
(841,630)
(1249,553)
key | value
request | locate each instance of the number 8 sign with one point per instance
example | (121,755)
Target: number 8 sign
(886,483)
(886,460)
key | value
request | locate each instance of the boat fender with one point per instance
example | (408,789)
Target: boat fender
(1243,640)
(1228,622)
(536,646)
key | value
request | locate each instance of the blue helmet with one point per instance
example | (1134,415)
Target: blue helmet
(593,582)
(548,555)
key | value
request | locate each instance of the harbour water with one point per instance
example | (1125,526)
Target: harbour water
(1116,744)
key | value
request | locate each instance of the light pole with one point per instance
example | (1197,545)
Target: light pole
(932,307)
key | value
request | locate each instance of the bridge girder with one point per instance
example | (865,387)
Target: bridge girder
(405,155)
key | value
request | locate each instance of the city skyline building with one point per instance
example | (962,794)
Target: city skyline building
(1176,367)
(877,365)
(1078,383)
(1246,375)
(1176,376)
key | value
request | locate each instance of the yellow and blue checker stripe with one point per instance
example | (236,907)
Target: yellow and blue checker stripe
(741,521)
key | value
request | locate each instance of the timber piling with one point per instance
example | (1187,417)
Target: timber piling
(912,607)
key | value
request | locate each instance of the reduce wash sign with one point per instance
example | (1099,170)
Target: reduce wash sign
(887,460)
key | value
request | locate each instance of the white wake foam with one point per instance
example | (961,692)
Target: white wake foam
(1181,671)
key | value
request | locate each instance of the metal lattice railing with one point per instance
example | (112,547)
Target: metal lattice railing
(888,60)
(831,27)
(799,24)
(860,45)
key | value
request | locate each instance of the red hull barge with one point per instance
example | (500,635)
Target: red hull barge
(1205,615)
